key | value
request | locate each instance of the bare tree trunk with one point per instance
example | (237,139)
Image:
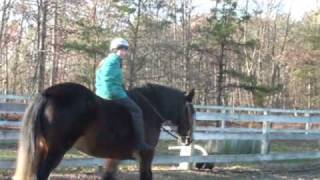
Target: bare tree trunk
(4,20)
(309,88)
(17,57)
(37,48)
(60,41)
(132,66)
(42,54)
(220,80)
(186,42)
(7,71)
(55,53)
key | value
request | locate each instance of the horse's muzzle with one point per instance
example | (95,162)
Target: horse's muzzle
(186,140)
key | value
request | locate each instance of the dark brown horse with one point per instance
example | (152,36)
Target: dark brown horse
(70,115)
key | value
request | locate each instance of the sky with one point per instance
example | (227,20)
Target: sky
(298,7)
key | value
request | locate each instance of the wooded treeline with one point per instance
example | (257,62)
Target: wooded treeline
(246,53)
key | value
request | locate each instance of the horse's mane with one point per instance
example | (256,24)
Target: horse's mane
(163,98)
(160,89)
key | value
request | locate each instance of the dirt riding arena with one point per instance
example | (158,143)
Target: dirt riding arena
(294,171)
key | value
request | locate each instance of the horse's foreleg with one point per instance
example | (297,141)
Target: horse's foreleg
(146,165)
(111,169)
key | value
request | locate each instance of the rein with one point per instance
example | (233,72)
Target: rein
(169,131)
(173,134)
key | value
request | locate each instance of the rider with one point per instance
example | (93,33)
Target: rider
(110,85)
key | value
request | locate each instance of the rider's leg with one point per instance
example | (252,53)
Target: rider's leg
(137,122)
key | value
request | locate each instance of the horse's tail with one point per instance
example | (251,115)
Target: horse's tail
(31,140)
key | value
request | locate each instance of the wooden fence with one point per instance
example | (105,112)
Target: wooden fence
(264,129)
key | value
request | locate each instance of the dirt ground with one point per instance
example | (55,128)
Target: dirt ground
(196,175)
(264,171)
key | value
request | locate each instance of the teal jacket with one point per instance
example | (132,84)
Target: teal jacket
(109,78)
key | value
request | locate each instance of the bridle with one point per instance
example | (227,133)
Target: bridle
(169,131)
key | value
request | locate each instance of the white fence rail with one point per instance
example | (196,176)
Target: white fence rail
(208,115)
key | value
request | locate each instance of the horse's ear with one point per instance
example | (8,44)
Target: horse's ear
(189,97)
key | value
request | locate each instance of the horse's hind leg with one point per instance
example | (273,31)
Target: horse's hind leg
(111,169)
(53,151)
(145,165)
(49,162)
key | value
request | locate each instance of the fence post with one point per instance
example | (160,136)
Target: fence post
(265,142)
(223,122)
(188,150)
(308,124)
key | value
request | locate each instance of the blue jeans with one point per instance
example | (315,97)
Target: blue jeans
(137,122)
(133,108)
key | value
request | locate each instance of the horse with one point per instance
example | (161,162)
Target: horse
(70,115)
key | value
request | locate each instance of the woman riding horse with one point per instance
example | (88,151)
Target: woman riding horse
(110,86)
(69,115)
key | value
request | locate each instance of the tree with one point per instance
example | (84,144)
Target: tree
(92,41)
(304,66)
(251,84)
(222,27)
(42,36)
(6,7)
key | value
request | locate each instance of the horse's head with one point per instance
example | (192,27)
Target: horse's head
(172,105)
(186,119)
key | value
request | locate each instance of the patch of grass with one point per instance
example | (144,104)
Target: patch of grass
(7,154)
(77,170)
(274,165)
(6,173)
(185,175)
(10,154)
(162,148)
(73,154)
(294,146)
(9,150)
(8,145)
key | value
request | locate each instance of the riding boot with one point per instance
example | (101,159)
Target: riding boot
(138,129)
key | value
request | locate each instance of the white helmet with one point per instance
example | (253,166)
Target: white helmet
(118,42)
